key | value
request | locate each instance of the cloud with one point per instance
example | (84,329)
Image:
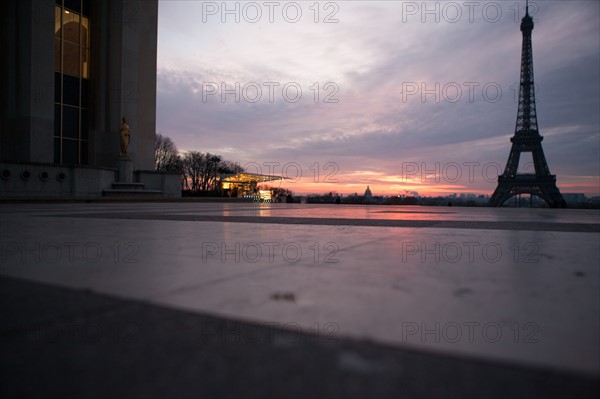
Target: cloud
(463,110)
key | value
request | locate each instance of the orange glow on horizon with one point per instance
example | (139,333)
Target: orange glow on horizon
(394,186)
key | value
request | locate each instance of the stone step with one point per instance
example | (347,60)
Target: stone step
(135,193)
(127,186)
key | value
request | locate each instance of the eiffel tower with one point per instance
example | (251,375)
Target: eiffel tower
(527,139)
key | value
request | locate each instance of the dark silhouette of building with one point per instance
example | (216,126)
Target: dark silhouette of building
(70,71)
(527,139)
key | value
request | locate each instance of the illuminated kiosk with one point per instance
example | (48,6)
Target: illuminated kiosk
(245,185)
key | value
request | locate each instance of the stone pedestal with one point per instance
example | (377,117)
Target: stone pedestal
(125,187)
(125,166)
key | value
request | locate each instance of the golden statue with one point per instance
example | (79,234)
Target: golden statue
(125,136)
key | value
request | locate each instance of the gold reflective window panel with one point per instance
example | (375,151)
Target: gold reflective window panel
(71,43)
(72,73)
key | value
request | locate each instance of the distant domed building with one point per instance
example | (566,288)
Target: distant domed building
(368,193)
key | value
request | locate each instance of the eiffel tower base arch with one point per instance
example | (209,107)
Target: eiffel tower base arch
(543,187)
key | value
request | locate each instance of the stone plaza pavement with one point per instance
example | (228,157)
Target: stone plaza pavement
(197,299)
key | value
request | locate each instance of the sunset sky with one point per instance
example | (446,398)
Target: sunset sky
(412,96)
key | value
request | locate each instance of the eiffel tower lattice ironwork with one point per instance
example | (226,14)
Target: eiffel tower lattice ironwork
(527,139)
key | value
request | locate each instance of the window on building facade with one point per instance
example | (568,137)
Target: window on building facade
(71,79)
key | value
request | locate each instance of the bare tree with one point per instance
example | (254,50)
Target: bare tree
(193,163)
(228,168)
(166,155)
(202,171)
(210,173)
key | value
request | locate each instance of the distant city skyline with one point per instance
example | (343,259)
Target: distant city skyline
(403,97)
